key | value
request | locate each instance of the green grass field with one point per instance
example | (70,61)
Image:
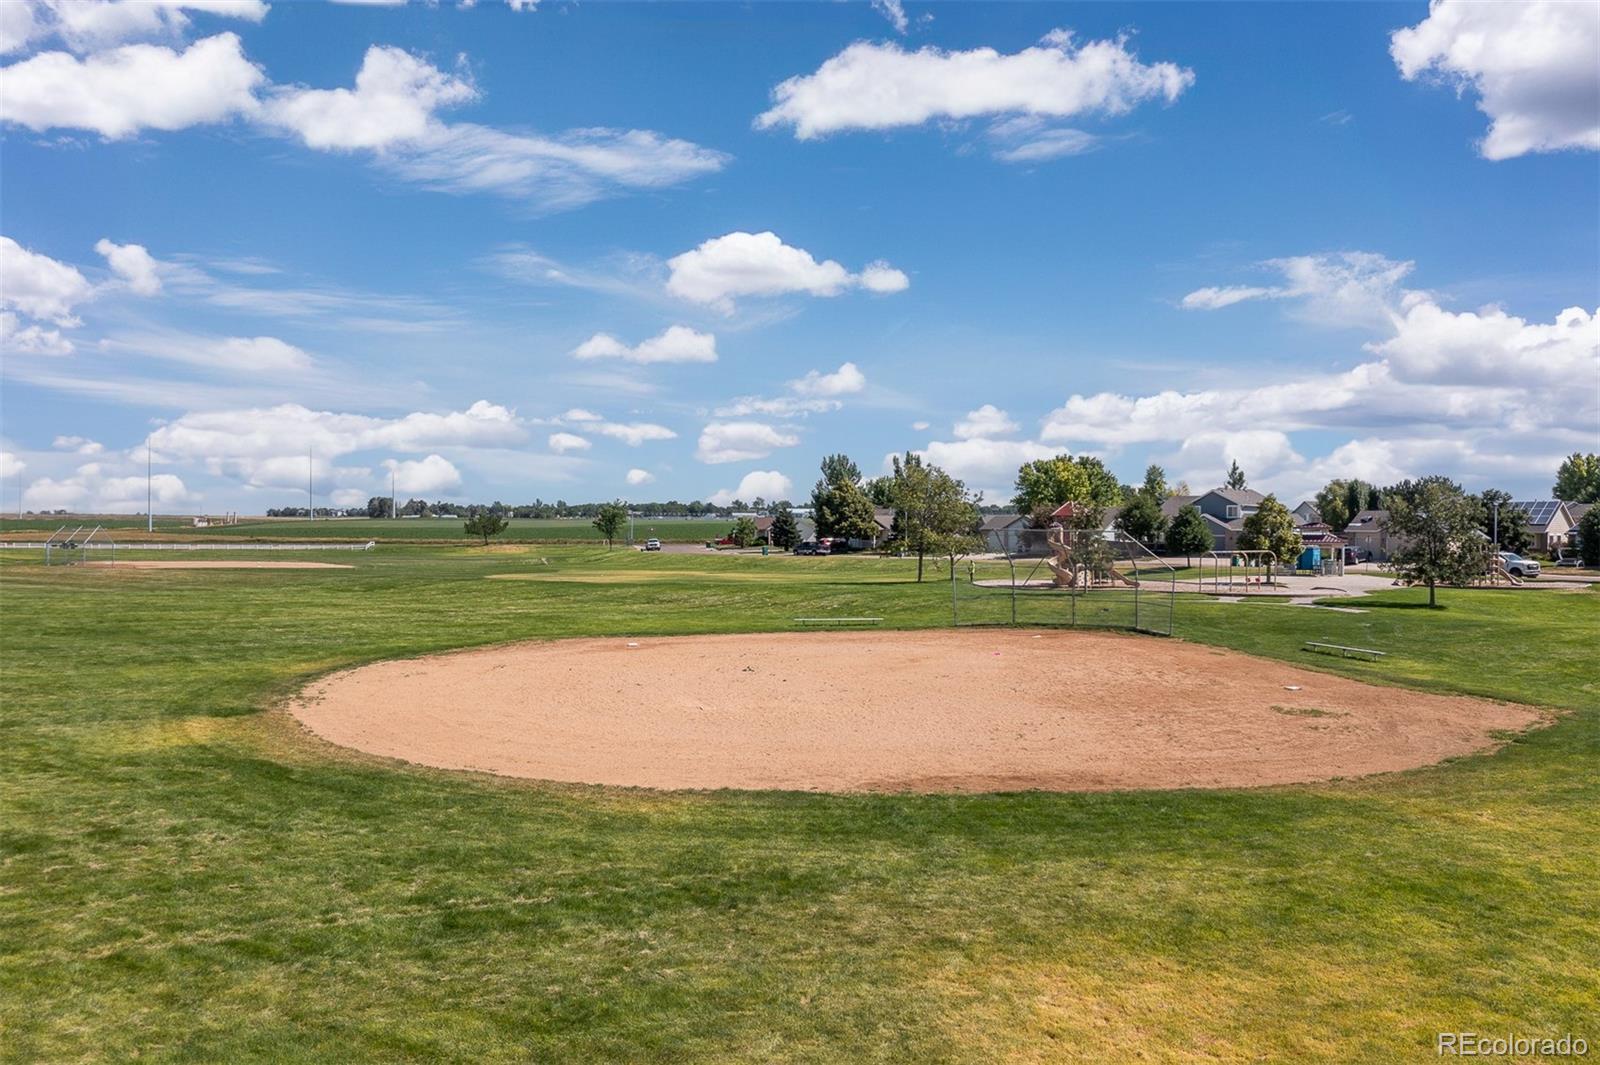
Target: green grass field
(188,877)
(521,530)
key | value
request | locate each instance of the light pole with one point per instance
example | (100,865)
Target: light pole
(1496,508)
(149,494)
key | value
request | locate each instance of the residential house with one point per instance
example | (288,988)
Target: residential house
(1576,511)
(1224,510)
(1368,534)
(1003,534)
(1307,513)
(1549,521)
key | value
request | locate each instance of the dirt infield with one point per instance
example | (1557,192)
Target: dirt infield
(891,711)
(239,564)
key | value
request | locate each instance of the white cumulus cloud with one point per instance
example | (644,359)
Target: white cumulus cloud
(637,477)
(435,473)
(881,86)
(676,343)
(757,484)
(634,433)
(562,443)
(985,422)
(395,96)
(133,264)
(118,93)
(740,441)
(1534,66)
(39,286)
(847,379)
(761,264)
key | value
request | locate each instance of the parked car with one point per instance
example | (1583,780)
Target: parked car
(1350,556)
(652,544)
(1518,566)
(808,547)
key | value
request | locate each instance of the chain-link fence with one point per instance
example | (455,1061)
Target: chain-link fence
(1058,576)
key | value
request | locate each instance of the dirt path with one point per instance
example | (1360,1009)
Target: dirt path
(890,711)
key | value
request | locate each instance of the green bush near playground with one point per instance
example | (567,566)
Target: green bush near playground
(188,877)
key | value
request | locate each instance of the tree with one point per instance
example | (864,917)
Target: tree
(881,491)
(1235,475)
(1507,522)
(933,512)
(378,507)
(1330,503)
(610,521)
(1155,483)
(785,530)
(1272,528)
(839,505)
(1044,484)
(485,524)
(1142,518)
(1439,529)
(1578,479)
(1189,533)
(1589,537)
(744,532)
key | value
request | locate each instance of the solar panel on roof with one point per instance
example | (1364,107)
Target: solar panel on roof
(1539,511)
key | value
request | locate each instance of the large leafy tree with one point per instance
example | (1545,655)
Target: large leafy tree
(934,513)
(744,532)
(1340,501)
(1589,537)
(1189,533)
(839,505)
(1578,479)
(610,521)
(785,530)
(1272,528)
(1439,529)
(1142,519)
(1235,475)
(485,523)
(1502,519)
(1045,484)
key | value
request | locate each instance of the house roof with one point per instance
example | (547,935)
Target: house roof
(998,522)
(1578,510)
(1245,497)
(1541,512)
(1172,504)
(1368,520)
(884,516)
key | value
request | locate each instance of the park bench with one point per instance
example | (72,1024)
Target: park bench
(838,621)
(1344,652)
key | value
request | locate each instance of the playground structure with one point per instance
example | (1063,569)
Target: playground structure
(1063,576)
(1236,571)
(64,548)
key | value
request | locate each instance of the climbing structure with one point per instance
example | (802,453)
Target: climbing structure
(1082,562)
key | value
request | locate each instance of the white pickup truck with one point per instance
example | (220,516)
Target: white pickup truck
(1517,566)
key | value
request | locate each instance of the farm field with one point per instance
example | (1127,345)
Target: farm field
(189,876)
(551,530)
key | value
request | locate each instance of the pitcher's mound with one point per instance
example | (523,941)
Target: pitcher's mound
(953,710)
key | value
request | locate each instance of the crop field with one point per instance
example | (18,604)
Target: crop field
(530,530)
(191,876)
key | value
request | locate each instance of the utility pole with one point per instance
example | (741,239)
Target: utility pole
(393,513)
(311,506)
(149,493)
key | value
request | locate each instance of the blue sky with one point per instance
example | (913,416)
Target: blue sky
(682,251)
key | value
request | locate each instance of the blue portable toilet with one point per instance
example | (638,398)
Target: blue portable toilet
(1310,558)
